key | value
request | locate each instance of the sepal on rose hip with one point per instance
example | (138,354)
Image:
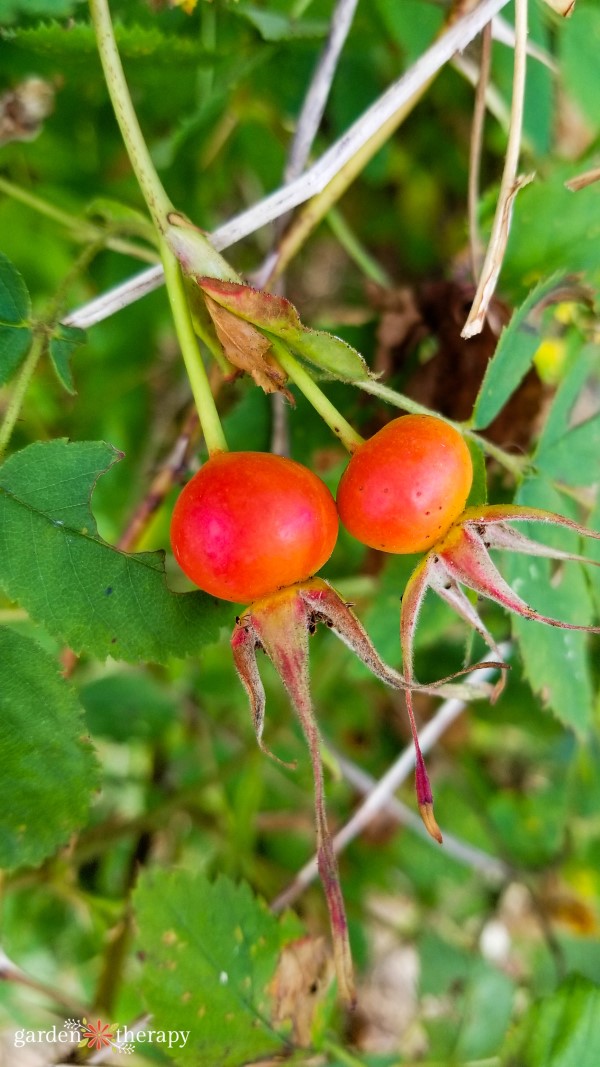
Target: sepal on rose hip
(280,625)
(462,558)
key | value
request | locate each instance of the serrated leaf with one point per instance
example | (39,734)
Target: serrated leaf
(48,771)
(15,342)
(513,357)
(276,315)
(87,593)
(274,26)
(555,661)
(63,343)
(562,1030)
(15,304)
(77,41)
(210,955)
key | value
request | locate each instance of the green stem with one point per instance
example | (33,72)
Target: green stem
(18,393)
(152,189)
(81,229)
(205,401)
(515,464)
(189,243)
(356,250)
(350,439)
(336,1052)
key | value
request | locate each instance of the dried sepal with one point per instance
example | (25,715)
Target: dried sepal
(280,625)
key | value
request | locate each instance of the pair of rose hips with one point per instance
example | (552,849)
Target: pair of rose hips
(254,527)
(250,523)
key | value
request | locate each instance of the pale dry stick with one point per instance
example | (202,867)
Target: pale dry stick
(309,120)
(384,789)
(311,114)
(475,150)
(509,187)
(313,180)
(492,869)
(9,972)
(581,181)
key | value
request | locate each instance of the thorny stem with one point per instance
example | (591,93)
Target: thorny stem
(199,382)
(509,186)
(349,437)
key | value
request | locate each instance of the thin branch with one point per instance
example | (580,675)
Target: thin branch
(476,148)
(314,180)
(488,866)
(509,186)
(378,798)
(315,100)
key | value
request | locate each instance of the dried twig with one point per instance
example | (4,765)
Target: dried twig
(476,148)
(509,187)
(378,798)
(314,180)
(581,181)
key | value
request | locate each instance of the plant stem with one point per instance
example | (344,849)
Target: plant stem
(515,464)
(350,439)
(18,394)
(152,189)
(336,1052)
(356,250)
(81,229)
(205,402)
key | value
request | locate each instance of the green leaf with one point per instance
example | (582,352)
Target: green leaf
(563,1030)
(48,771)
(274,26)
(574,456)
(15,304)
(555,661)
(15,342)
(210,954)
(127,705)
(557,422)
(10,10)
(86,592)
(513,357)
(63,343)
(478,491)
(579,42)
(78,42)
(276,315)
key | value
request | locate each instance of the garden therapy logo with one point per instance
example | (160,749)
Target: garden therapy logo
(98,1035)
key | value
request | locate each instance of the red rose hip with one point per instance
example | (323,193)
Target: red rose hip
(406,485)
(249,523)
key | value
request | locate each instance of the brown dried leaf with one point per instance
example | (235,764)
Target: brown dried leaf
(247,349)
(304,973)
(23,110)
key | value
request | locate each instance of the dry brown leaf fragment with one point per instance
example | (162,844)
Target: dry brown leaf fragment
(24,108)
(304,973)
(247,348)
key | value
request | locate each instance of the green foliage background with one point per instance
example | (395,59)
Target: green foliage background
(145,760)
